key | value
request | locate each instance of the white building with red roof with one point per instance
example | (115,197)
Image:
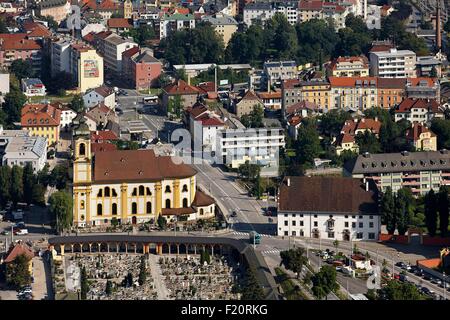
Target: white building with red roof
(102,94)
(204,126)
(418,110)
(422,138)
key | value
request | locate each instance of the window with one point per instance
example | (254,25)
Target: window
(360,217)
(134,208)
(361,225)
(346,224)
(167,189)
(100,193)
(315,224)
(370,224)
(149,207)
(185,203)
(82,205)
(370,217)
(82,150)
(286,223)
(168,203)
(293,223)
(330,234)
(114,209)
(315,216)
(149,193)
(301,223)
(141,191)
(201,212)
(359,235)
(353,224)
(371,235)
(134,192)
(107,193)
(99,209)
(185,188)
(346,217)
(114,193)
(286,233)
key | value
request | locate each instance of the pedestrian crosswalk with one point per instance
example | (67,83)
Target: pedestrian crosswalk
(245,234)
(269,252)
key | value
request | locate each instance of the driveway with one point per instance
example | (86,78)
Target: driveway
(42,279)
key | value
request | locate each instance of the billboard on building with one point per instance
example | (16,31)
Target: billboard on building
(91,69)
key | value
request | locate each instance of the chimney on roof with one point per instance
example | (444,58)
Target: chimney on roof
(367,185)
(376,119)
(288,182)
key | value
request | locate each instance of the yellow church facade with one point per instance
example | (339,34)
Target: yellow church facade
(134,186)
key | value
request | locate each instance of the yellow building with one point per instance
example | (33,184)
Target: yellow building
(133,186)
(421,137)
(224,25)
(317,92)
(42,120)
(349,67)
(87,67)
(127,9)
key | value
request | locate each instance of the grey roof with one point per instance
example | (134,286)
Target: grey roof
(277,64)
(146,56)
(258,6)
(399,162)
(32,81)
(51,3)
(224,20)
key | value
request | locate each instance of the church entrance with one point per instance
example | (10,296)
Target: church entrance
(134,220)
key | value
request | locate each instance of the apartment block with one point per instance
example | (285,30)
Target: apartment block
(224,25)
(114,46)
(86,67)
(175,22)
(393,63)
(349,67)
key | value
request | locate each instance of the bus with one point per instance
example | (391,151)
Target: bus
(150,100)
(254,237)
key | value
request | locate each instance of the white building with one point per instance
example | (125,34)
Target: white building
(277,71)
(67,115)
(175,22)
(98,95)
(60,56)
(33,87)
(332,208)
(263,11)
(373,19)
(114,45)
(204,126)
(18,147)
(393,64)
(4,86)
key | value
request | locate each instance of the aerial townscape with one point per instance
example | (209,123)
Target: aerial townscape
(224,150)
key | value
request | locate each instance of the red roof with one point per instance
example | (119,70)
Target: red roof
(17,41)
(291,83)
(295,120)
(89,37)
(120,23)
(270,95)
(35,29)
(351,81)
(180,87)
(344,138)
(300,106)
(105,135)
(416,130)
(108,5)
(209,121)
(101,147)
(408,103)
(42,115)
(130,52)
(351,126)
(17,250)
(207,87)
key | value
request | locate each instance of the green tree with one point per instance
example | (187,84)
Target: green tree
(249,171)
(294,260)
(387,209)
(84,285)
(443,204)
(331,122)
(22,69)
(61,205)
(431,212)
(77,103)
(308,144)
(396,290)
(3,26)
(18,273)
(441,128)
(5,185)
(29,180)
(59,176)
(38,195)
(141,34)
(12,107)
(324,282)
(281,38)
(52,24)
(16,184)
(255,118)
(403,209)
(251,289)
(368,142)
(142,272)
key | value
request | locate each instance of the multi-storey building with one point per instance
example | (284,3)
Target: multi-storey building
(175,22)
(33,87)
(420,171)
(390,92)
(316,92)
(86,67)
(114,46)
(102,94)
(393,63)
(351,128)
(17,46)
(60,55)
(132,186)
(259,146)
(318,9)
(277,71)
(421,138)
(42,120)
(18,147)
(188,94)
(331,208)
(57,9)
(349,67)
(247,103)
(140,67)
(224,25)
(423,88)
(418,110)
(263,11)
(356,93)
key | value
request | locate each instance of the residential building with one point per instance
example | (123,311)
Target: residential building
(175,22)
(418,110)
(393,64)
(33,87)
(258,146)
(353,93)
(67,116)
(18,147)
(420,171)
(102,114)
(421,138)
(180,88)
(277,71)
(293,125)
(349,67)
(263,11)
(60,55)
(351,128)
(119,25)
(204,127)
(390,92)
(140,67)
(102,94)
(4,86)
(271,100)
(333,208)
(317,92)
(104,8)
(86,67)
(224,25)
(114,46)
(423,88)
(16,46)
(345,142)
(291,93)
(322,10)
(57,9)
(42,120)
(133,186)
(20,249)
(127,9)
(247,103)
(426,64)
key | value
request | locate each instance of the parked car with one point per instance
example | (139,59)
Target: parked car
(413,269)
(427,277)
(21,232)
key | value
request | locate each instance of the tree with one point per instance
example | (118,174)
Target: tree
(22,69)
(59,176)
(282,41)
(308,144)
(38,195)
(205,257)
(13,104)
(294,260)
(331,122)
(52,24)
(3,26)
(255,118)
(403,209)
(249,171)
(368,142)
(84,285)
(388,210)
(433,72)
(16,184)
(141,34)
(441,128)
(77,103)
(61,205)
(162,222)
(324,281)
(251,289)
(142,272)
(431,212)
(29,180)
(396,290)
(443,203)
(17,272)
(5,185)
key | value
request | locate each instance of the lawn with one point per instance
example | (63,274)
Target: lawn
(289,287)
(62,99)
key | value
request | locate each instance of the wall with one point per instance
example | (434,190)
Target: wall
(393,238)
(435,241)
